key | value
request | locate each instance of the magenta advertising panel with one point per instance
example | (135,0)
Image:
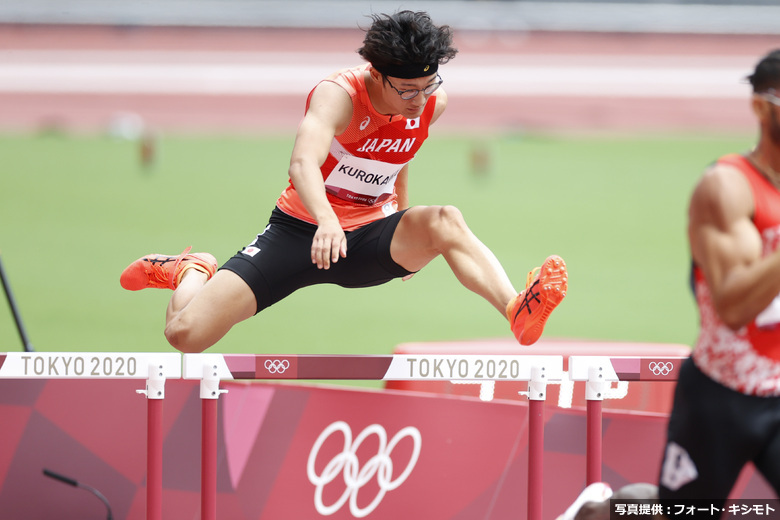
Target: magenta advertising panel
(304,452)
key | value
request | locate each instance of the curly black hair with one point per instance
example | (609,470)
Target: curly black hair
(767,73)
(406,38)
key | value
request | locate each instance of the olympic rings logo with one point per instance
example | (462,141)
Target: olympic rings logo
(355,477)
(660,368)
(277,366)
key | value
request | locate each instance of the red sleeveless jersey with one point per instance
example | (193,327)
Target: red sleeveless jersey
(364,161)
(747,360)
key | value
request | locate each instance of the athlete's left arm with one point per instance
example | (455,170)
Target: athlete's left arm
(402,188)
(441,104)
(402,182)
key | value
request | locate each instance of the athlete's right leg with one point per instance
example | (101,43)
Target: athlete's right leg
(199,314)
(767,460)
(706,447)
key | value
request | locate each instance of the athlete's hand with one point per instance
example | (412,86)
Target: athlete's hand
(329,244)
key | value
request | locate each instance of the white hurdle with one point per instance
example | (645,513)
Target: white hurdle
(154,367)
(597,371)
(538,371)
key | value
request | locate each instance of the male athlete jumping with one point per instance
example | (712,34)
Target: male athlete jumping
(344,217)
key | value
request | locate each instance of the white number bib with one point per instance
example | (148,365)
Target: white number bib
(362,181)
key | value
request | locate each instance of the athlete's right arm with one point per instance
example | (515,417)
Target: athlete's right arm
(329,113)
(726,245)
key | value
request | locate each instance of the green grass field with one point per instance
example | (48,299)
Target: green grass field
(76,210)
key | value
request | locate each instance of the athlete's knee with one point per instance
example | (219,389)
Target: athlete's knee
(451,214)
(184,336)
(447,225)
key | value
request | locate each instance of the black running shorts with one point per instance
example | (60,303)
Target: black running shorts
(278,261)
(713,432)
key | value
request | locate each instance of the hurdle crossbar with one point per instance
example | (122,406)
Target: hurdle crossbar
(599,372)
(212,368)
(395,367)
(88,365)
(152,366)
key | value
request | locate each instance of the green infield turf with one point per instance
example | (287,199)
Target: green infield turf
(76,210)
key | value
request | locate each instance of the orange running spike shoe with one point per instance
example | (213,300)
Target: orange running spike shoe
(545,288)
(163,271)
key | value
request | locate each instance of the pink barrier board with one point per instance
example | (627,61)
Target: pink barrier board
(304,452)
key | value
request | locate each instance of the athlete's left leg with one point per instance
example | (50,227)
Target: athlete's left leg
(766,461)
(426,232)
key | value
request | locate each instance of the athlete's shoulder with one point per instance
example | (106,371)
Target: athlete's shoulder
(723,189)
(350,79)
(331,104)
(727,171)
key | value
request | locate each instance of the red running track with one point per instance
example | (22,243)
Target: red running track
(582,90)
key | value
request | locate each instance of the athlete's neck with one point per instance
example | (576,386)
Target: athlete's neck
(764,166)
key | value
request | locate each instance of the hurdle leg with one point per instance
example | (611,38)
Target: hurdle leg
(594,395)
(155,393)
(208,475)
(209,395)
(154,456)
(537,393)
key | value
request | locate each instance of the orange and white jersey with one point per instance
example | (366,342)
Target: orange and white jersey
(747,360)
(365,160)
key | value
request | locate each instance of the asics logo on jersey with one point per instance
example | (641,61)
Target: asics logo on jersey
(387,145)
(364,123)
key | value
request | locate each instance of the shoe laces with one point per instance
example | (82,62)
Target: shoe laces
(532,274)
(160,274)
(157,274)
(176,267)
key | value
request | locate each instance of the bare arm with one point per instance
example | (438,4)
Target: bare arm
(441,104)
(329,113)
(727,247)
(402,182)
(402,188)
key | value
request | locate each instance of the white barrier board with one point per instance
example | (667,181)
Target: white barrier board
(89,365)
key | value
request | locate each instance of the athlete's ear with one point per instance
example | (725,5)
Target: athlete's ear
(760,107)
(376,76)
